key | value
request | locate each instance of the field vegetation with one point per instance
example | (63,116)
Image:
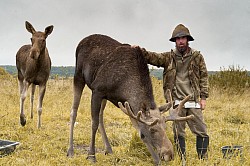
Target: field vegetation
(227,116)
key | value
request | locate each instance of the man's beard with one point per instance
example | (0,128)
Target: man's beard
(182,49)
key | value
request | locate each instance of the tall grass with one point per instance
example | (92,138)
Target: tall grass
(234,80)
(227,116)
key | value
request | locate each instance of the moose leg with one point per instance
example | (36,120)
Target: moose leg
(107,145)
(21,86)
(42,89)
(33,88)
(79,84)
(23,94)
(96,101)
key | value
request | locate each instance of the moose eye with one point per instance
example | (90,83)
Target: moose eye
(41,41)
(152,131)
(142,136)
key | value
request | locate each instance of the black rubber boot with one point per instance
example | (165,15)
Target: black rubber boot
(181,146)
(202,146)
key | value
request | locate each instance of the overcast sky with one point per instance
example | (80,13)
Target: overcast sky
(220,28)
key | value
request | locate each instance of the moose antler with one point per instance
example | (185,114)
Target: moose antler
(173,113)
(127,110)
(167,106)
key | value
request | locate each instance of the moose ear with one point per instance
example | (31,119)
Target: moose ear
(29,27)
(48,30)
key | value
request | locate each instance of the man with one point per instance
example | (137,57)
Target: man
(185,74)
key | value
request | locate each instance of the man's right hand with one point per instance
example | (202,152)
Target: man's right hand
(135,46)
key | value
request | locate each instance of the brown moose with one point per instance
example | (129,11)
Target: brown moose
(33,65)
(119,73)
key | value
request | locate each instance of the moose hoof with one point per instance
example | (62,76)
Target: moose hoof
(70,152)
(22,120)
(91,158)
(108,151)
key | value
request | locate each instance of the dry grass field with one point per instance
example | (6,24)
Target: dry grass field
(227,116)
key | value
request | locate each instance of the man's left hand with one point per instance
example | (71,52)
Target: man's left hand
(203,104)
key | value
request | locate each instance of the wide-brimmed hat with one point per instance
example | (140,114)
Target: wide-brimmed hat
(181,31)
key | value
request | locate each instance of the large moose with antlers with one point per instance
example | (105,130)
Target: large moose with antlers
(119,73)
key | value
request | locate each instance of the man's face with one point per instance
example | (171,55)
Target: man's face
(181,44)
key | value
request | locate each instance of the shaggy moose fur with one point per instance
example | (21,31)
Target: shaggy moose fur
(33,65)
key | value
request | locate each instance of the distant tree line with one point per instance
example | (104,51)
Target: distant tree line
(56,71)
(68,71)
(10,69)
(62,71)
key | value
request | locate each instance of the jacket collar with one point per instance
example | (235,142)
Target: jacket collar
(177,53)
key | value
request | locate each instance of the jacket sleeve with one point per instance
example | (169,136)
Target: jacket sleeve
(156,59)
(203,79)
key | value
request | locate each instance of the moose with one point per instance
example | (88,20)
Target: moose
(33,65)
(119,73)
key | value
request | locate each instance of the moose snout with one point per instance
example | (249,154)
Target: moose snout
(166,155)
(34,54)
(166,152)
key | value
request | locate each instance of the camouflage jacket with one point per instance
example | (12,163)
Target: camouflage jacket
(198,74)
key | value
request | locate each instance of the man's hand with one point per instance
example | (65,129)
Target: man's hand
(135,46)
(203,104)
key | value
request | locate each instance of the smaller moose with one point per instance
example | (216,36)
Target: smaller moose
(33,65)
